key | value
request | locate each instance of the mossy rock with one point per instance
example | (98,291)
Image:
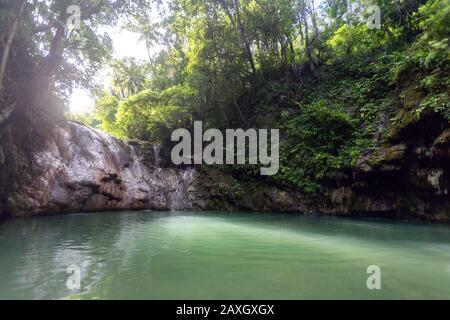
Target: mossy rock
(408,205)
(389,154)
(404,120)
(443,139)
(412,97)
(382,156)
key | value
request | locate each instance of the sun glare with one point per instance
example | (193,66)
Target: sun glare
(126,44)
(81,101)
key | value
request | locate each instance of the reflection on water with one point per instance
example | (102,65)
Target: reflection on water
(173,255)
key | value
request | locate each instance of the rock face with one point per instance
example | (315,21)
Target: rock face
(409,177)
(84,170)
(213,190)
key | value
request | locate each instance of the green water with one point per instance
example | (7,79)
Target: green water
(225,256)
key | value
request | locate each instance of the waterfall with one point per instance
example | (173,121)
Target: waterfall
(179,199)
(156,154)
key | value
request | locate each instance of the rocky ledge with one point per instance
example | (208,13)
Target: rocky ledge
(85,170)
(407,177)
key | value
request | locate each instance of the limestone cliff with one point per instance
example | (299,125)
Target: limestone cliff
(80,169)
(84,170)
(407,176)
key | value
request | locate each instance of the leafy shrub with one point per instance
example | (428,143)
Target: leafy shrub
(148,115)
(319,140)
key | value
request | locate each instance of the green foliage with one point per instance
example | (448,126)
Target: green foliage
(332,87)
(359,39)
(429,58)
(435,20)
(129,77)
(85,118)
(431,50)
(106,112)
(147,115)
(319,141)
(439,103)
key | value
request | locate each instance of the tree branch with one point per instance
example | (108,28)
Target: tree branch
(44,27)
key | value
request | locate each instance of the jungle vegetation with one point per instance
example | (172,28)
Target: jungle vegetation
(324,72)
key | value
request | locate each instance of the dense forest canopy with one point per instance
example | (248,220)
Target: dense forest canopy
(326,73)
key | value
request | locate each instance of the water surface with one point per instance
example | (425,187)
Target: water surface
(176,255)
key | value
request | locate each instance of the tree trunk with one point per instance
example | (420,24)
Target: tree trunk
(18,7)
(308,47)
(291,46)
(40,84)
(313,19)
(238,108)
(244,39)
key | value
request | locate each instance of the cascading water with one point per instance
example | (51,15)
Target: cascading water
(179,199)
(166,184)
(156,154)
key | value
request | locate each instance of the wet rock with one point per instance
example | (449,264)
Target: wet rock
(345,201)
(146,152)
(443,140)
(159,202)
(441,146)
(412,94)
(409,176)
(382,159)
(98,203)
(83,169)
(112,190)
(213,190)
